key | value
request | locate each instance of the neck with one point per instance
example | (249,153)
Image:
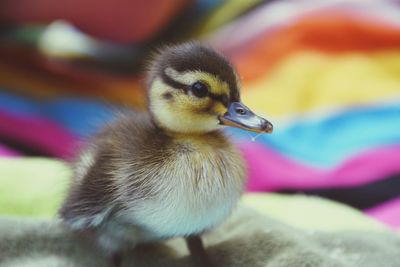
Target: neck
(182,132)
(188,134)
(215,138)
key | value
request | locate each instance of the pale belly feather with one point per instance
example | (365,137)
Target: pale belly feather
(199,192)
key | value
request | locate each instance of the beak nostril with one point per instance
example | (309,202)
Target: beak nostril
(240,111)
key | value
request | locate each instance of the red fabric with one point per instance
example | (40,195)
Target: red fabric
(117,20)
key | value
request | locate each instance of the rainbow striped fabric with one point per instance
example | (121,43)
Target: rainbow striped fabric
(326,73)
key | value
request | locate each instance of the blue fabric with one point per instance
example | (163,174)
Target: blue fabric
(325,142)
(18,104)
(81,117)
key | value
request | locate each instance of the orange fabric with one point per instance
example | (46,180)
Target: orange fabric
(117,20)
(124,92)
(324,31)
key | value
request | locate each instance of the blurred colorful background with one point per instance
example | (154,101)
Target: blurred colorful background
(326,73)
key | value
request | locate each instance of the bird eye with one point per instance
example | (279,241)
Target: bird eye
(199,89)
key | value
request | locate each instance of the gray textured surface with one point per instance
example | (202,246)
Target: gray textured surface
(246,239)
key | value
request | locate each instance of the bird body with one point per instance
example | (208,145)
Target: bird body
(153,186)
(170,171)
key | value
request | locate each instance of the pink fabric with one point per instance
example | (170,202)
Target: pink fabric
(39,133)
(270,171)
(6,152)
(388,213)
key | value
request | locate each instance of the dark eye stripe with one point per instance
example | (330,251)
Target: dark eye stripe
(220,98)
(174,84)
(180,86)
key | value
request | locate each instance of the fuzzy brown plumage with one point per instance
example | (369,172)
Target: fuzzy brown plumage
(169,172)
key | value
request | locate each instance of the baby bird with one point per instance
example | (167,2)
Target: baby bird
(169,172)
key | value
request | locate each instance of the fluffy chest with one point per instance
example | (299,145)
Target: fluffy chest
(194,191)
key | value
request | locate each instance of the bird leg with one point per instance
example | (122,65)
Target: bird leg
(197,251)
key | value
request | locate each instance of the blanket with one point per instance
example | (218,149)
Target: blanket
(246,239)
(270,230)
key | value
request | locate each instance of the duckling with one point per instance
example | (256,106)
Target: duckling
(171,171)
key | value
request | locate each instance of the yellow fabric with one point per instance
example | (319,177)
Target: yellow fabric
(223,14)
(312,81)
(311,213)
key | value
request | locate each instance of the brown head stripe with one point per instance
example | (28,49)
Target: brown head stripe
(192,57)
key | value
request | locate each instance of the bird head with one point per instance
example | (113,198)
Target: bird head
(194,89)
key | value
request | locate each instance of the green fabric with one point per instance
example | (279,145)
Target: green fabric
(32,186)
(226,12)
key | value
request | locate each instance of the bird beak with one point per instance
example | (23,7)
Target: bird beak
(240,116)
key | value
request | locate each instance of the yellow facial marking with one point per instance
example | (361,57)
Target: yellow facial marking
(219,108)
(185,112)
(181,112)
